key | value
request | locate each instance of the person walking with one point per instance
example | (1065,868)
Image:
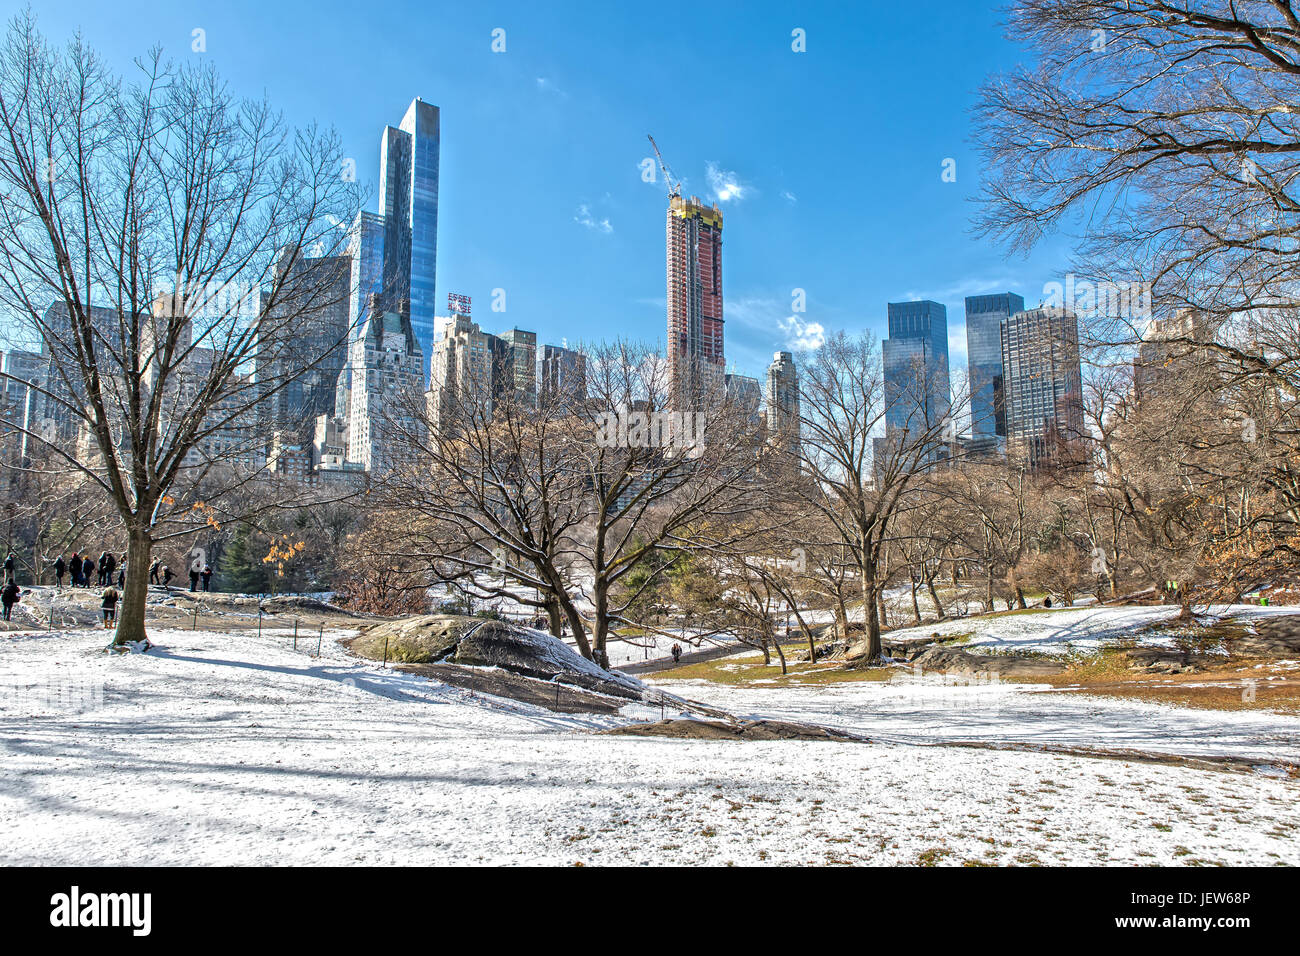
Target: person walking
(194,578)
(108,601)
(207,576)
(87,569)
(677,653)
(153,571)
(9,568)
(9,597)
(60,566)
(167,575)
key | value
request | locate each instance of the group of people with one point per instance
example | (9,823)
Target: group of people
(109,573)
(86,572)
(162,575)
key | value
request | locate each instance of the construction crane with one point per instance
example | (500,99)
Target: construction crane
(674,187)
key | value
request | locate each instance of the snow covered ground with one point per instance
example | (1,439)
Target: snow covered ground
(230,748)
(1080,629)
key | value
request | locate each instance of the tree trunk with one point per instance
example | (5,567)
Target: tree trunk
(579,632)
(781,654)
(131,611)
(600,628)
(934,596)
(871,615)
(916,607)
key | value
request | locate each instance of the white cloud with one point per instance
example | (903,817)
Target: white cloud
(801,335)
(789,196)
(583,217)
(724,185)
(547,86)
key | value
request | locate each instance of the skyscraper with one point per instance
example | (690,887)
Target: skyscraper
(915,358)
(408,209)
(386,368)
(517,367)
(695,358)
(563,374)
(315,296)
(460,370)
(984,317)
(1044,383)
(745,395)
(782,401)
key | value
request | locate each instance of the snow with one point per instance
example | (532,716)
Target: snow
(229,748)
(1060,631)
(931,709)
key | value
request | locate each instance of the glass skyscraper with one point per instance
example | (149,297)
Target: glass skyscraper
(984,317)
(408,206)
(916,366)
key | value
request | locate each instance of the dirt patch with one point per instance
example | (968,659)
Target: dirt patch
(1212,683)
(686,729)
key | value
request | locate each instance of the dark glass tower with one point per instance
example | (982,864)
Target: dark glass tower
(916,366)
(984,317)
(408,204)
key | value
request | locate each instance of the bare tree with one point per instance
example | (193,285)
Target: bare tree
(859,469)
(129,214)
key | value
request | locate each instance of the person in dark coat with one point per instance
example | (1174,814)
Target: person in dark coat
(60,566)
(9,597)
(207,576)
(677,653)
(108,601)
(9,567)
(74,569)
(121,572)
(87,569)
(194,578)
(167,575)
(110,567)
(153,571)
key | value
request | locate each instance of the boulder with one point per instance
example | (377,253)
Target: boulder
(471,642)
(1273,637)
(1161,660)
(950,660)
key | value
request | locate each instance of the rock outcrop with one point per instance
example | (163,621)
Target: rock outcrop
(1273,637)
(950,660)
(469,642)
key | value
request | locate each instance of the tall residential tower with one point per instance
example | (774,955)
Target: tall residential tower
(408,203)
(695,359)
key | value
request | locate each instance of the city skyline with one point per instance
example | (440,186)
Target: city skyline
(544,165)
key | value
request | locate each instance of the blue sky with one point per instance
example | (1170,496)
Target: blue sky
(830,159)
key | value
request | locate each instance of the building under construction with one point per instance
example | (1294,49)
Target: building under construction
(695,356)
